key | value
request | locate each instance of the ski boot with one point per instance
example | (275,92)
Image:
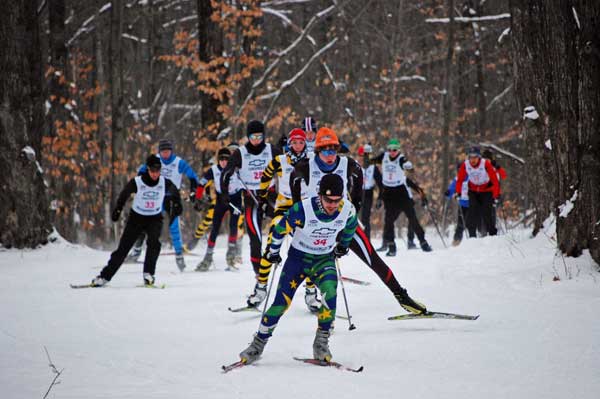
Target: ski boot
(384,246)
(98,281)
(391,249)
(409,304)
(231,255)
(252,353)
(456,242)
(259,295)
(148,279)
(321,346)
(425,246)
(206,262)
(311,299)
(180,262)
(411,245)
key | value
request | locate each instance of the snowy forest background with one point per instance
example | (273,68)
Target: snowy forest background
(88,87)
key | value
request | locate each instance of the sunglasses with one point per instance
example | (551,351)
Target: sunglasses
(393,150)
(256,136)
(328,151)
(331,201)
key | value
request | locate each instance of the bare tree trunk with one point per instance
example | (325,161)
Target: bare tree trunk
(557,60)
(24,208)
(210,45)
(447,100)
(115,65)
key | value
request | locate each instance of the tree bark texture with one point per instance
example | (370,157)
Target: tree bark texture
(557,69)
(24,207)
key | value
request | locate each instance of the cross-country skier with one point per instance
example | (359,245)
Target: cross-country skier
(233,206)
(316,223)
(248,162)
(483,189)
(282,166)
(152,193)
(396,196)
(173,168)
(327,161)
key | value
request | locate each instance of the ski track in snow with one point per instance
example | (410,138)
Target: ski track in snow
(535,338)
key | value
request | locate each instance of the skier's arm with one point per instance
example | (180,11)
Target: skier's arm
(299,174)
(355,182)
(235,162)
(130,188)
(410,183)
(186,169)
(378,178)
(345,237)
(462,175)
(451,188)
(292,218)
(172,201)
(272,169)
(205,181)
(493,178)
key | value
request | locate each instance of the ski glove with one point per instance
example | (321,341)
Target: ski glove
(272,257)
(192,197)
(424,202)
(378,204)
(340,251)
(115,214)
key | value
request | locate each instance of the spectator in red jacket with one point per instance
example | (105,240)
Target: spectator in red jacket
(483,190)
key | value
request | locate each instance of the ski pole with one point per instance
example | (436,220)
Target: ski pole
(341,280)
(435,224)
(268,294)
(246,187)
(461,215)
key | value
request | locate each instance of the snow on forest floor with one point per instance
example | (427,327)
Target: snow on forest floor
(536,338)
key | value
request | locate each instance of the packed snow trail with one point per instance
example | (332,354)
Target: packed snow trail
(536,338)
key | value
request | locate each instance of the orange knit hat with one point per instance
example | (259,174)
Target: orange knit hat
(325,137)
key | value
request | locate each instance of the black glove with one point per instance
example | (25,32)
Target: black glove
(193,197)
(272,257)
(340,251)
(173,208)
(447,193)
(378,203)
(115,214)
(424,202)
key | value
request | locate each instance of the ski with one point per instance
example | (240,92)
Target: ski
(233,366)
(155,286)
(434,315)
(77,286)
(243,309)
(324,363)
(185,253)
(355,281)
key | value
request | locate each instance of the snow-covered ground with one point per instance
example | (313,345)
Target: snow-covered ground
(536,338)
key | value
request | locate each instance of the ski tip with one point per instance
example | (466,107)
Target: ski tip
(360,369)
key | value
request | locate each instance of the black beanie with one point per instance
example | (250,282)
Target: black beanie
(153,162)
(255,126)
(165,144)
(331,185)
(223,153)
